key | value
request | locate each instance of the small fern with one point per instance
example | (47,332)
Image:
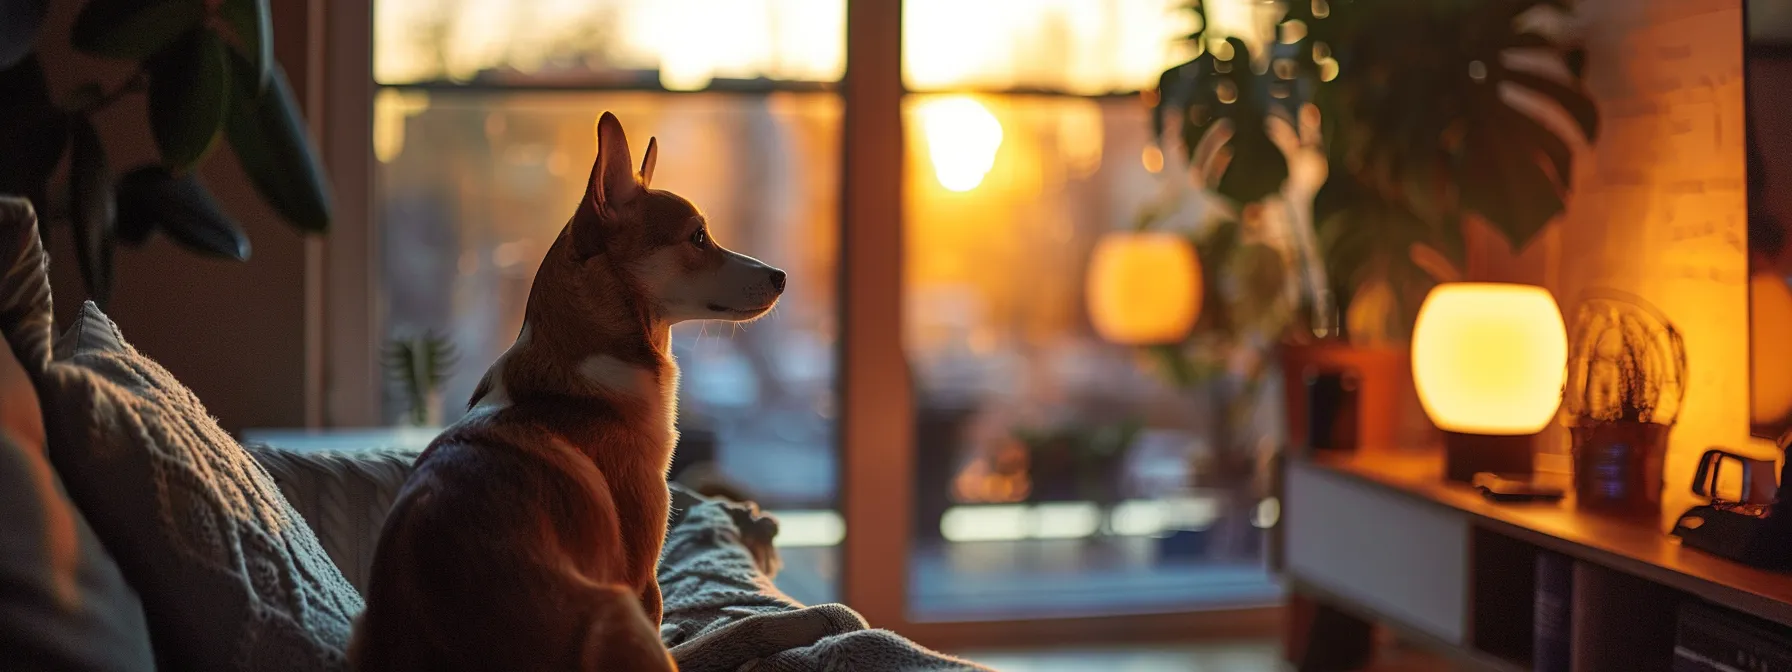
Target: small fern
(420,365)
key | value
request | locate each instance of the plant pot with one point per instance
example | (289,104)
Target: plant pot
(1382,381)
(1618,466)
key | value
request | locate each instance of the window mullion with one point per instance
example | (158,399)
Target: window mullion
(877,421)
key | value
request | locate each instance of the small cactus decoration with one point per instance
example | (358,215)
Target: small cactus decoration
(420,365)
(1627,363)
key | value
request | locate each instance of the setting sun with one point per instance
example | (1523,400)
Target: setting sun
(962,139)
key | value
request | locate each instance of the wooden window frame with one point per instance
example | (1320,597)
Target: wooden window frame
(876,421)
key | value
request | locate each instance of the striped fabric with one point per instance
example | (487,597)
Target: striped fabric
(344,496)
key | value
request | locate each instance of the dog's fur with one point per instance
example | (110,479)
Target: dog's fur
(528,535)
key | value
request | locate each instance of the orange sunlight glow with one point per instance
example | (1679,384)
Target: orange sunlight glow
(689,41)
(962,139)
(1083,47)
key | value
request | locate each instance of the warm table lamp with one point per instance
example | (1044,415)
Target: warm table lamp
(1144,288)
(1489,360)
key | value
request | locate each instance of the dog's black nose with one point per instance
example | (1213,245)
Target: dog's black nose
(778,280)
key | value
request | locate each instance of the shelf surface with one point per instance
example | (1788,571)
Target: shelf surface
(1634,547)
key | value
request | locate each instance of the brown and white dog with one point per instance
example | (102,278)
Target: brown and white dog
(528,535)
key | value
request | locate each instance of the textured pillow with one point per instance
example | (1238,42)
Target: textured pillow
(231,577)
(63,603)
(24,285)
(344,496)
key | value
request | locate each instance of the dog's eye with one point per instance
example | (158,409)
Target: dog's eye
(700,238)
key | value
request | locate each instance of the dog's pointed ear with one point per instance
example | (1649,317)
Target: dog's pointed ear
(613,184)
(653,155)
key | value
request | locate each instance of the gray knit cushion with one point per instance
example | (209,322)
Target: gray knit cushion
(344,496)
(230,576)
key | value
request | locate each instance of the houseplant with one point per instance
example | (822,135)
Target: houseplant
(1380,129)
(1078,459)
(208,72)
(419,365)
(1626,382)
(1328,178)
(1430,115)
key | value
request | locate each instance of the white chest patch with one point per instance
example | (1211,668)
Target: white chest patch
(498,398)
(635,382)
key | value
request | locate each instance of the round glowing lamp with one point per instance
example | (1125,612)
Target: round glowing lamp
(1144,288)
(1489,361)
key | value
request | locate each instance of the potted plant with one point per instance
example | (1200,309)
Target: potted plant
(1078,460)
(208,72)
(419,365)
(1626,381)
(1350,152)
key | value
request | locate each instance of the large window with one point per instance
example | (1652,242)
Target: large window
(483,132)
(1054,474)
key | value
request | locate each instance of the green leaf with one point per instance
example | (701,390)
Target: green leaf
(134,229)
(20,21)
(133,29)
(189,90)
(1529,132)
(151,197)
(1449,241)
(1258,168)
(33,133)
(1241,96)
(275,149)
(1576,61)
(1572,99)
(1508,189)
(93,208)
(252,23)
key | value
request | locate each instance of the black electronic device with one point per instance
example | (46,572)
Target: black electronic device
(1754,528)
(1516,488)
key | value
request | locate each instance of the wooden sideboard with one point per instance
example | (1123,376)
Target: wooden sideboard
(1383,538)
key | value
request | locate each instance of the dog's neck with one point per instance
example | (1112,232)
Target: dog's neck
(588,335)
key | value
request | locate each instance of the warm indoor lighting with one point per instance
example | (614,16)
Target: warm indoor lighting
(962,139)
(1770,319)
(1153,158)
(1144,288)
(1490,358)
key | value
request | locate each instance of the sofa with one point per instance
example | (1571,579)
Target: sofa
(135,534)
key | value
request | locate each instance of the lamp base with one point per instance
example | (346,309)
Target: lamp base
(1468,454)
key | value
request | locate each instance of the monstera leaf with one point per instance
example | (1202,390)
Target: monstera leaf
(1418,123)
(1428,117)
(1219,92)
